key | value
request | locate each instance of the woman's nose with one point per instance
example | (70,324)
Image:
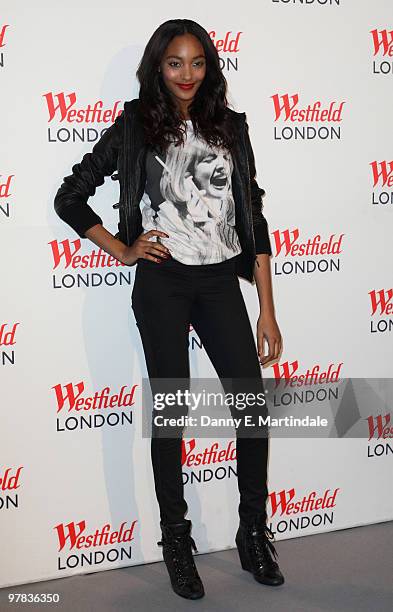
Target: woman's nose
(220,163)
(186,73)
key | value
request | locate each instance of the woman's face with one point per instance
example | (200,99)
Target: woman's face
(212,172)
(183,62)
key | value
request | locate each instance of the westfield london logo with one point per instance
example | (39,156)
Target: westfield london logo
(298,513)
(67,255)
(7,343)
(64,114)
(227,46)
(78,410)
(380,430)
(6,195)
(382,46)
(312,122)
(308,2)
(382,174)
(80,548)
(381,311)
(9,483)
(210,464)
(306,256)
(293,377)
(292,386)
(3,31)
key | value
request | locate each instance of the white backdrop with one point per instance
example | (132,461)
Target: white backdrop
(67,472)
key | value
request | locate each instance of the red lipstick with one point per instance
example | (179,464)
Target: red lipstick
(185,86)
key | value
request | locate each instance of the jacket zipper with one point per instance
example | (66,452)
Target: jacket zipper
(249,201)
(127,204)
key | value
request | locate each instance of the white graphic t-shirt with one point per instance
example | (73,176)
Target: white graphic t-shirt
(188,195)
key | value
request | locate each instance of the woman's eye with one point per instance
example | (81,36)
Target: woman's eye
(198,64)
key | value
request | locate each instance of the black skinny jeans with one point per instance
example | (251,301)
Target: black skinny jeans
(166,298)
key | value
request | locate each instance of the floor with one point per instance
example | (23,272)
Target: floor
(343,570)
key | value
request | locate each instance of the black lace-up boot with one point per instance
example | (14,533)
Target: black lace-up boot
(255,550)
(176,549)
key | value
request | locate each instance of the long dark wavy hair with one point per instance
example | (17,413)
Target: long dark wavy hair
(162,121)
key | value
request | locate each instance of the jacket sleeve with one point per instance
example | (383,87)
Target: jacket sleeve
(261,231)
(70,202)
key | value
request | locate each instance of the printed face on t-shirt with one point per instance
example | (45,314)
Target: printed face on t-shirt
(212,173)
(188,195)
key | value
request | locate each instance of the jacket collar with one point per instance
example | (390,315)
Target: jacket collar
(131,106)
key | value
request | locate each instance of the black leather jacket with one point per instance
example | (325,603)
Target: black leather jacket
(122,148)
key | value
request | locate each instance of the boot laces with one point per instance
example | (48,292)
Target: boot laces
(263,543)
(180,547)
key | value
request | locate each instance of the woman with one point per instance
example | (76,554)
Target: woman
(182,104)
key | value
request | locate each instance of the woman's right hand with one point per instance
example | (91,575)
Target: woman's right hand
(144,248)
